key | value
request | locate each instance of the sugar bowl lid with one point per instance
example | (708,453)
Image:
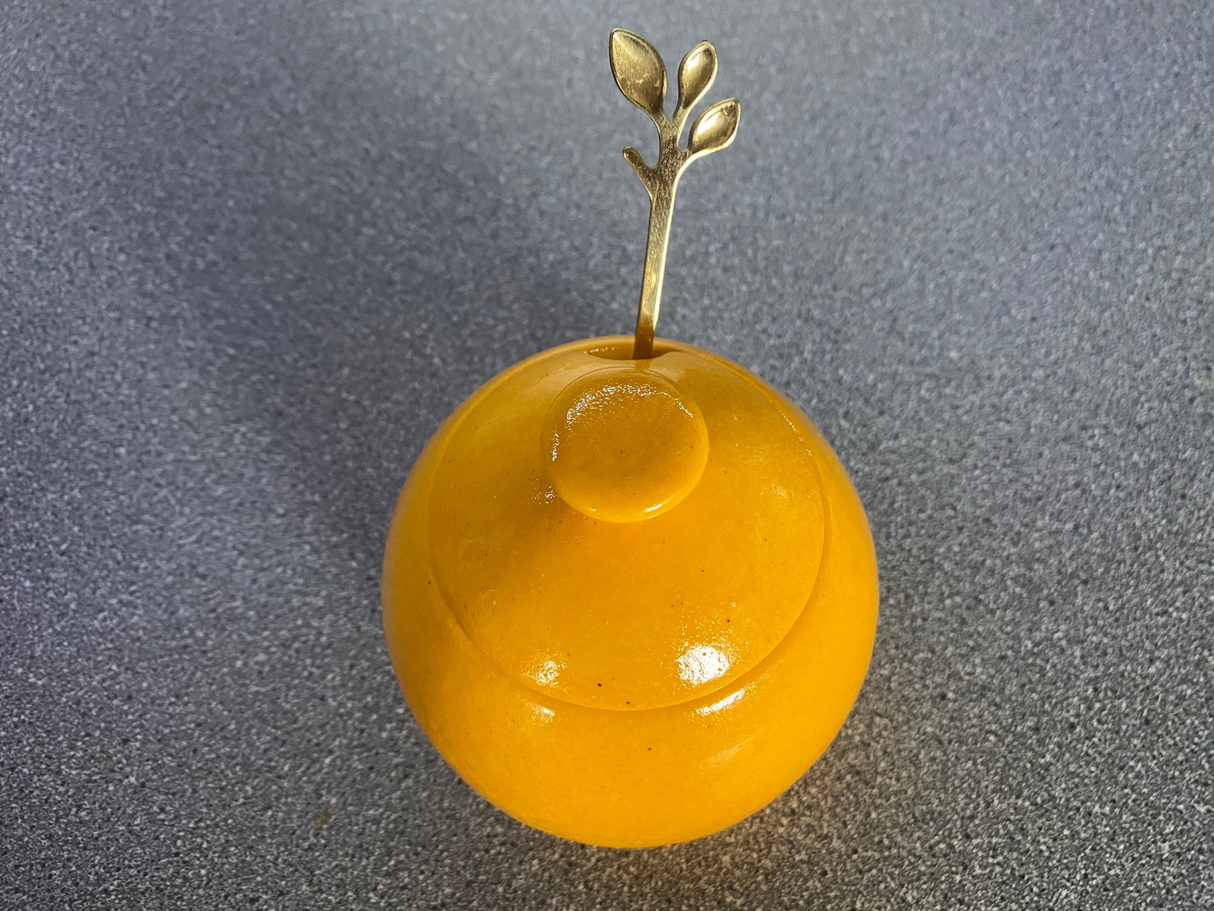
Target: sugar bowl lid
(626,534)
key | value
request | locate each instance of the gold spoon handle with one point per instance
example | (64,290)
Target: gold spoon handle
(641,75)
(661,208)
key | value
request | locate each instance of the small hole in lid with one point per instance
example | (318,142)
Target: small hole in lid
(622,350)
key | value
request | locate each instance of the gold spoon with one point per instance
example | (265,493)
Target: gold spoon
(641,75)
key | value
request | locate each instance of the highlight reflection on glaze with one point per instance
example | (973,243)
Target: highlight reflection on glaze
(721,704)
(702,664)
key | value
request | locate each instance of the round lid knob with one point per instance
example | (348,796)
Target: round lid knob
(625,444)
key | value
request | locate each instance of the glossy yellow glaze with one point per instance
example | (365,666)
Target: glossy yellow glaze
(629,601)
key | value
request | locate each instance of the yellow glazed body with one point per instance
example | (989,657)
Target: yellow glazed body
(664,645)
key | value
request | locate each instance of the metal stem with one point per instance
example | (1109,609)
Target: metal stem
(661,208)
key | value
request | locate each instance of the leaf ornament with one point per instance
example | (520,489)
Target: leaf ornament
(639,71)
(715,128)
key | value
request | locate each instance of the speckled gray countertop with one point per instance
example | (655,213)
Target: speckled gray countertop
(253,252)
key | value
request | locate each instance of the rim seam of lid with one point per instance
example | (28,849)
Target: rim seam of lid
(738,683)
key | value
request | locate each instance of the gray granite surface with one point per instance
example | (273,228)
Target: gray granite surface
(253,252)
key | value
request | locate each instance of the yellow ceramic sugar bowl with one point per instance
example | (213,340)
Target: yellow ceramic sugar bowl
(629,590)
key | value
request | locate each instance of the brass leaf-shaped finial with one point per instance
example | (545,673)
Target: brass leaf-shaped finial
(641,75)
(696,74)
(639,71)
(715,128)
